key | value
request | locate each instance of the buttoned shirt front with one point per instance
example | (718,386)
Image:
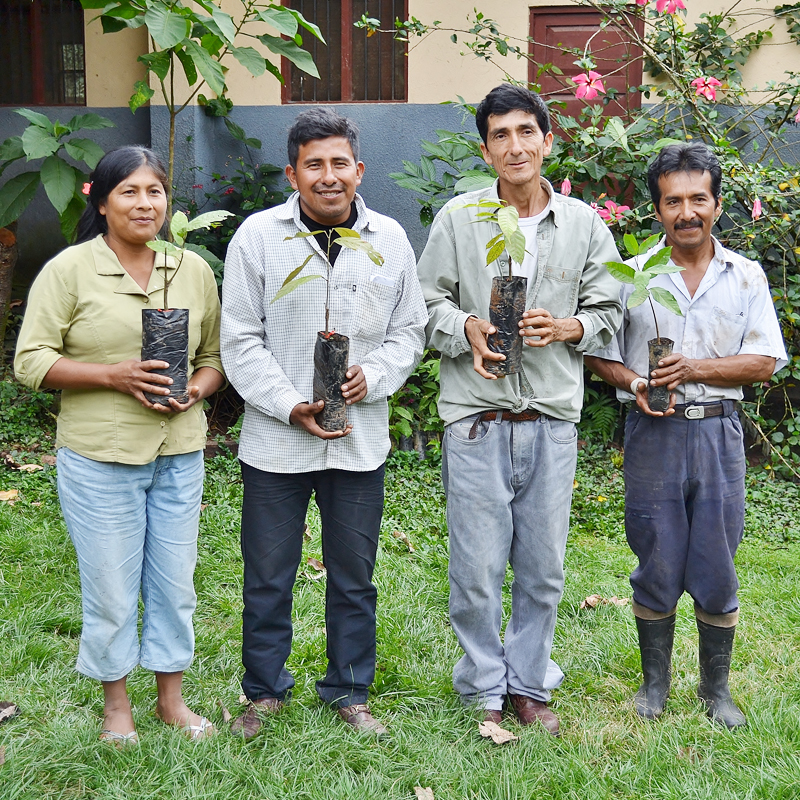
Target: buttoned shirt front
(84,306)
(571,280)
(268,347)
(731,313)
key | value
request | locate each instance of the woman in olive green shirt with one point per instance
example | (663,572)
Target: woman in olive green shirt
(130,472)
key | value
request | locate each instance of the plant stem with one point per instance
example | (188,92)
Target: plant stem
(655,318)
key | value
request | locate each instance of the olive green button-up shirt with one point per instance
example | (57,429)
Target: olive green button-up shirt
(571,281)
(84,306)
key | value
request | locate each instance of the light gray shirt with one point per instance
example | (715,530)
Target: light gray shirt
(730,314)
(268,349)
(571,281)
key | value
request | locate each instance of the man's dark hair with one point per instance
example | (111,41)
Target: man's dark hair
(692,157)
(320,123)
(505,98)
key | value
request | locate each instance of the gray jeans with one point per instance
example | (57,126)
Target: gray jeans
(508,499)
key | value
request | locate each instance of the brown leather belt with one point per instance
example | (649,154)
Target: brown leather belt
(705,410)
(510,416)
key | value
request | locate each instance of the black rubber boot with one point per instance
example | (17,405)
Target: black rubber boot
(655,644)
(716,645)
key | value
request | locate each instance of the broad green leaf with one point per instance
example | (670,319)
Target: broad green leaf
(666,299)
(299,57)
(631,245)
(11,149)
(638,297)
(58,179)
(224,23)
(216,264)
(113,24)
(615,129)
(40,120)
(664,269)
(295,272)
(189,68)
(281,19)
(167,28)
(649,242)
(89,122)
(274,71)
(659,258)
(158,62)
(92,4)
(641,279)
(207,220)
(516,246)
(348,232)
(141,96)
(471,183)
(309,26)
(235,130)
(85,150)
(212,43)
(250,59)
(508,220)
(179,227)
(210,69)
(69,219)
(167,248)
(495,250)
(301,235)
(622,272)
(15,195)
(662,143)
(290,287)
(38,143)
(362,246)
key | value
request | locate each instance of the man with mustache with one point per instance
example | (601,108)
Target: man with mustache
(268,348)
(685,467)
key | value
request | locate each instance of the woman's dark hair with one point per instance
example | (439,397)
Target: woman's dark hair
(320,123)
(112,169)
(506,98)
(693,157)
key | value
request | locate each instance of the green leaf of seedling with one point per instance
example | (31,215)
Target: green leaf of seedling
(38,143)
(650,241)
(167,248)
(59,179)
(250,59)
(141,95)
(508,220)
(299,57)
(658,259)
(622,272)
(295,272)
(348,232)
(290,287)
(301,235)
(663,269)
(496,250)
(631,245)
(85,150)
(15,195)
(641,279)
(362,246)
(11,150)
(666,299)
(40,120)
(179,227)
(638,297)
(207,220)
(516,246)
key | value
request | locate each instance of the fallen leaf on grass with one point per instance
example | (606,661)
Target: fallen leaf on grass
(306,533)
(594,600)
(2,756)
(403,537)
(243,699)
(8,460)
(491,730)
(316,564)
(688,753)
(7,710)
(203,506)
(49,460)
(423,793)
(226,715)
(10,496)
(30,467)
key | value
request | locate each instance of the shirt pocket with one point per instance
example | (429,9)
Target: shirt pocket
(375,303)
(558,291)
(727,330)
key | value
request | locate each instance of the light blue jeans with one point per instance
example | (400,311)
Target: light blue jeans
(508,499)
(134,529)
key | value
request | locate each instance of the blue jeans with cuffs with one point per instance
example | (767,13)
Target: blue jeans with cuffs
(134,528)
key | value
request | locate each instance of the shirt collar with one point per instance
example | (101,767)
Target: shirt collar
(290,211)
(107,263)
(545,184)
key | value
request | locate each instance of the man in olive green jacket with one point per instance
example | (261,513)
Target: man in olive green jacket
(510,445)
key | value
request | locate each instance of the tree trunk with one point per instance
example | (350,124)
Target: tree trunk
(8,260)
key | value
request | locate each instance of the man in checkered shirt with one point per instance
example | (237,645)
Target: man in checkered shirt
(268,353)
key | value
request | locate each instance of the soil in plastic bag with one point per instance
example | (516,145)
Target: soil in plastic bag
(165,337)
(506,307)
(658,396)
(330,372)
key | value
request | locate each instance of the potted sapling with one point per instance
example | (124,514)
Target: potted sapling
(165,331)
(657,264)
(507,298)
(331,349)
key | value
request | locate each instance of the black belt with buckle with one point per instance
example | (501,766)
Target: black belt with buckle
(491,416)
(723,408)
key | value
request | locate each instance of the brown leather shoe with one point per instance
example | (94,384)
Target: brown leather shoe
(529,711)
(249,723)
(360,718)
(493,715)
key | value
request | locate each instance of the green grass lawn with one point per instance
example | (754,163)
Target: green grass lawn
(51,748)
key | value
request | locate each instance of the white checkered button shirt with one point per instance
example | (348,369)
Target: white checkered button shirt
(268,349)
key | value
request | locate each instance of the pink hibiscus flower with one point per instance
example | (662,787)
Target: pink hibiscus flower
(589,85)
(612,212)
(668,6)
(706,87)
(566,187)
(756,208)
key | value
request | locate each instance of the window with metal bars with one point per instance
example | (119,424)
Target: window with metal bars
(353,67)
(41,42)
